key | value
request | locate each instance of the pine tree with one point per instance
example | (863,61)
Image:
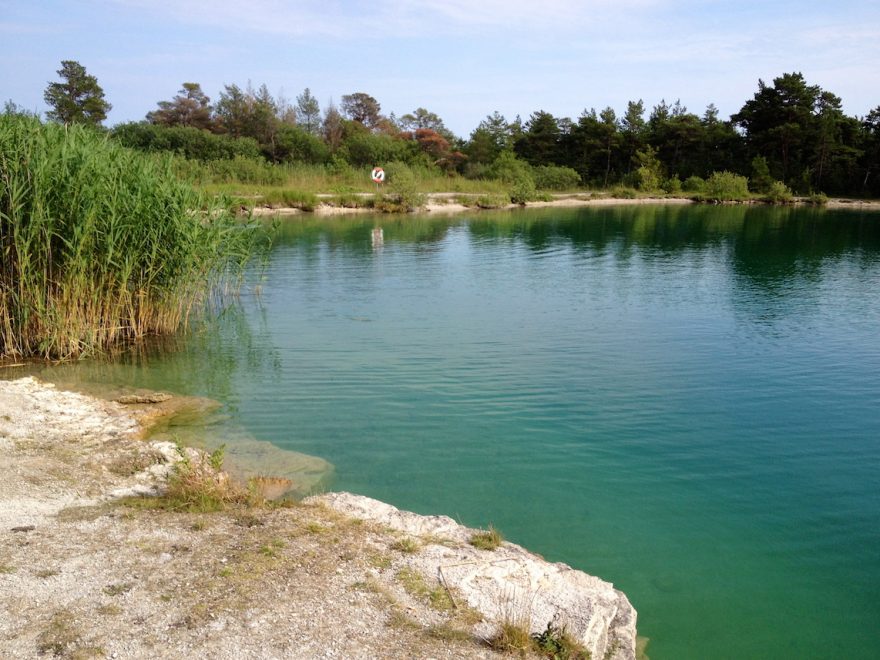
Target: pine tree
(79,99)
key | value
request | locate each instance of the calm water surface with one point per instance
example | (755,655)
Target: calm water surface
(683,401)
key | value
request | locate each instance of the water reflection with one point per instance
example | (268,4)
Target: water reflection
(771,252)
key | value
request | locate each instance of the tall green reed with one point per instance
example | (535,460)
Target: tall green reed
(100,244)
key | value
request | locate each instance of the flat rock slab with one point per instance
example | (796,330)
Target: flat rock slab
(508,584)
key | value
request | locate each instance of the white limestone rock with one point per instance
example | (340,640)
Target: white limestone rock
(509,583)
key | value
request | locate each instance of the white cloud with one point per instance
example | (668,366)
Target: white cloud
(384,18)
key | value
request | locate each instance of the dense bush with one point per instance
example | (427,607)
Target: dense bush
(403,193)
(474,170)
(646,179)
(293,144)
(726,187)
(777,193)
(623,192)
(368,149)
(193,143)
(672,186)
(552,177)
(517,175)
(693,184)
(761,181)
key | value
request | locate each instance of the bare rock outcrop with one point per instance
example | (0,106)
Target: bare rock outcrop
(508,584)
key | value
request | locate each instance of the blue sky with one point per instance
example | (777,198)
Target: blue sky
(462,59)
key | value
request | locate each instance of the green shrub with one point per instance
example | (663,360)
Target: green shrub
(817,199)
(694,184)
(292,144)
(726,187)
(761,181)
(403,194)
(777,193)
(100,243)
(552,177)
(649,173)
(517,175)
(369,149)
(623,192)
(477,170)
(489,201)
(186,141)
(672,186)
(507,168)
(522,190)
(646,179)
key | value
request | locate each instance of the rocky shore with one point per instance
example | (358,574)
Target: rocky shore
(85,572)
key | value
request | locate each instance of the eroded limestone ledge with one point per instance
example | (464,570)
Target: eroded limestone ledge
(508,583)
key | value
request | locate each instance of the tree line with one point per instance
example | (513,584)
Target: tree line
(789,132)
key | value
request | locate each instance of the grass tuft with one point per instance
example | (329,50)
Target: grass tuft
(557,644)
(406,545)
(511,638)
(489,539)
(198,484)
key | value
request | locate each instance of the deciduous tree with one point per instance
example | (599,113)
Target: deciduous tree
(423,118)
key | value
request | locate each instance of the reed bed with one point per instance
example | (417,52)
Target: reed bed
(100,244)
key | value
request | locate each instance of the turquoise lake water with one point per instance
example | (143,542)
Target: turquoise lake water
(684,401)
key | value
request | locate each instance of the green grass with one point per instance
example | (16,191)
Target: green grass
(200,486)
(489,539)
(414,584)
(511,638)
(557,644)
(344,184)
(101,244)
(406,545)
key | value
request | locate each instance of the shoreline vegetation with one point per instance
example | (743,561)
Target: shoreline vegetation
(117,545)
(104,245)
(101,245)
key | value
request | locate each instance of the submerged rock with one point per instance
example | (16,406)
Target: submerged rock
(132,399)
(508,584)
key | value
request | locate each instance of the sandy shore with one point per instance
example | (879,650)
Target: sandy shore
(448,203)
(85,575)
(854,204)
